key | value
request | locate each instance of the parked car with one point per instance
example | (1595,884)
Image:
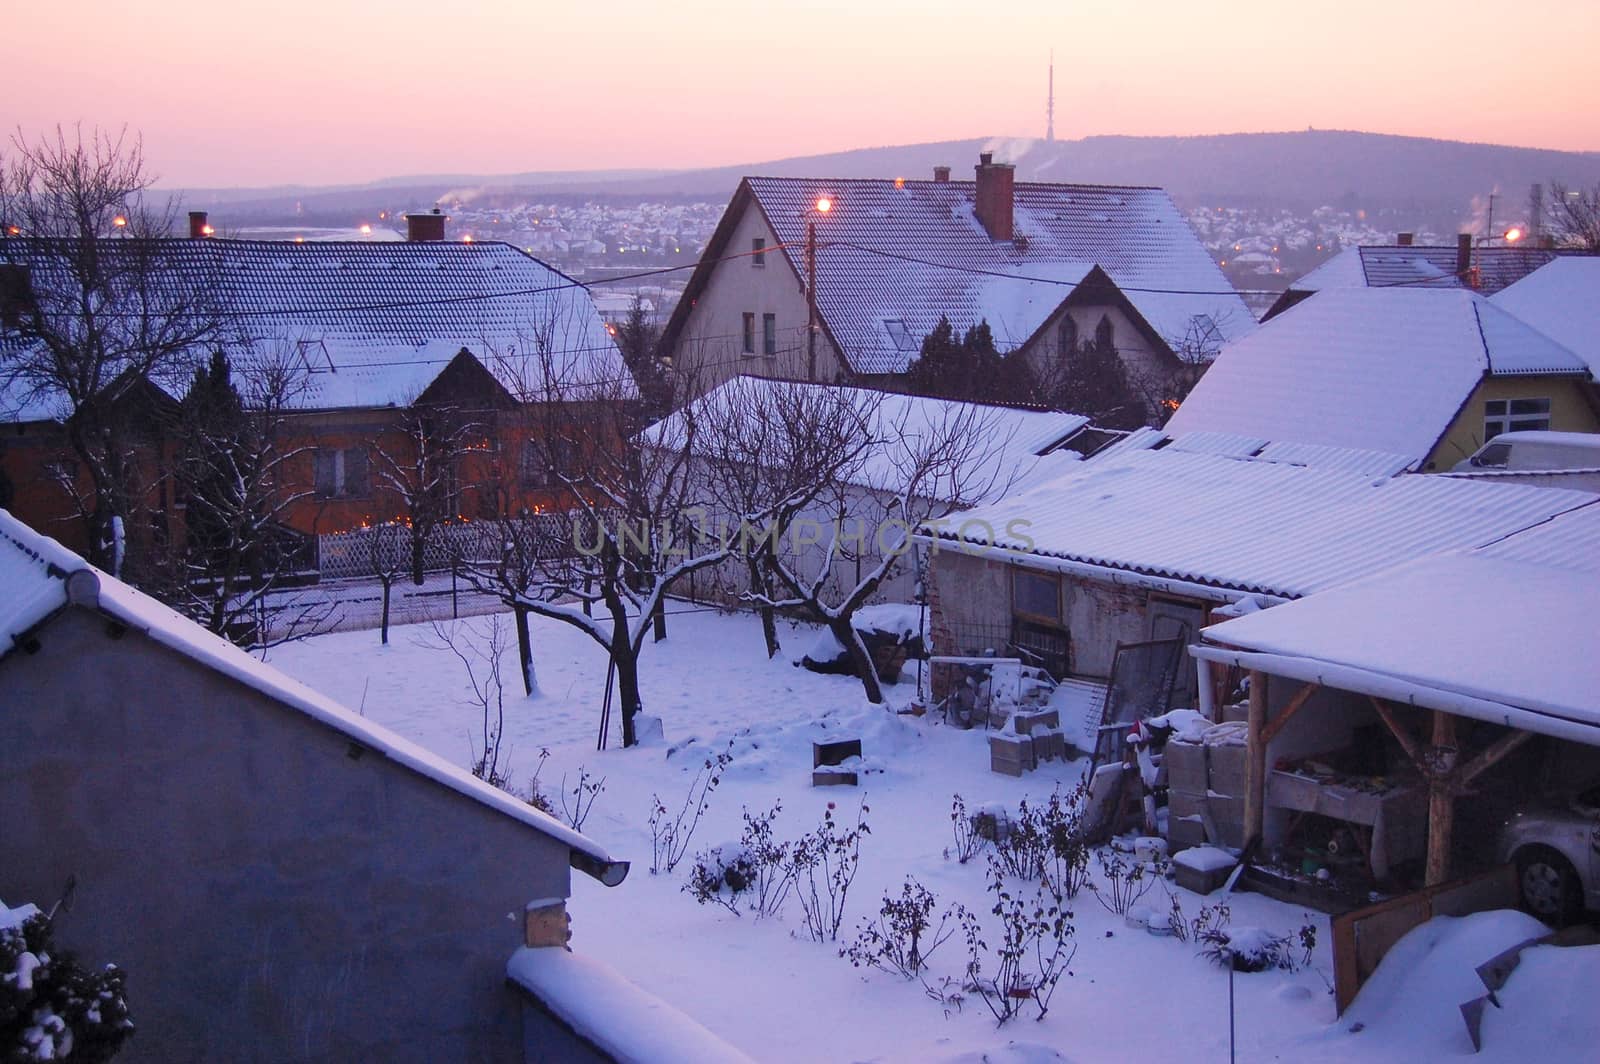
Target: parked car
(1556,848)
(1532,450)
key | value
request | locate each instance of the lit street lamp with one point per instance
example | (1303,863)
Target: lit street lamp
(822,206)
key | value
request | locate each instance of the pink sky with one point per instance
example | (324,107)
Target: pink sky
(251,93)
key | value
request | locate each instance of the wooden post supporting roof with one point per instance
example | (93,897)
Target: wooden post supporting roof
(1255,790)
(1441,798)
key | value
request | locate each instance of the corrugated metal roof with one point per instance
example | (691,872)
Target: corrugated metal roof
(1227,443)
(1257,526)
(1383,369)
(1347,459)
(1570,541)
(1136,235)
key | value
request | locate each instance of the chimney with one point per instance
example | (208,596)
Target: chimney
(993,198)
(1464,259)
(430,226)
(941,175)
(198,229)
(1404,239)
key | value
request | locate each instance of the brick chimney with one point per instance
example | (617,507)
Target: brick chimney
(429,226)
(1464,259)
(993,199)
(198,229)
(941,175)
(1404,239)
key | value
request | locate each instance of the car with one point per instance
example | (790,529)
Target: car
(1555,847)
(1534,450)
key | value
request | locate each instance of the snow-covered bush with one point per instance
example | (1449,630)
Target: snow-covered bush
(51,1008)
(1124,881)
(669,838)
(720,875)
(905,934)
(1047,842)
(1209,920)
(535,796)
(825,863)
(1254,949)
(770,865)
(969,843)
(1032,953)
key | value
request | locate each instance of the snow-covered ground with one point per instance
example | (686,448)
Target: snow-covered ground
(763,985)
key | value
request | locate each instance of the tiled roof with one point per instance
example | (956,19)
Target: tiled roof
(1561,300)
(1247,525)
(395,312)
(1383,369)
(1423,266)
(1136,235)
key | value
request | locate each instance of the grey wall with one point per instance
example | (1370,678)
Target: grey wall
(269,897)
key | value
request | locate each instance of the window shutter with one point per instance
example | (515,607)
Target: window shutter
(355,471)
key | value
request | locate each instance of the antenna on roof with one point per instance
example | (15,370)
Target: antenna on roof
(1050,103)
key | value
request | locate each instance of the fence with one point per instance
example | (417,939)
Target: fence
(355,553)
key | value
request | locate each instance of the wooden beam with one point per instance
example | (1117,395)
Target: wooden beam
(1274,726)
(1255,789)
(1407,743)
(1490,756)
(1441,805)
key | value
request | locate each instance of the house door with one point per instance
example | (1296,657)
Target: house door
(1181,620)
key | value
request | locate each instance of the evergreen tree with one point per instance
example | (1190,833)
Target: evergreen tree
(1093,380)
(51,1007)
(967,367)
(637,338)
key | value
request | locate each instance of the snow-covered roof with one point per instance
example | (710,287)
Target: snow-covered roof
(893,256)
(1424,266)
(1007,440)
(1373,368)
(1533,650)
(377,321)
(1249,524)
(35,572)
(1561,300)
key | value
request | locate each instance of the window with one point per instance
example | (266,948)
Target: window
(1494,457)
(758,251)
(769,334)
(1036,595)
(544,461)
(749,334)
(1105,334)
(1514,415)
(340,473)
(1066,336)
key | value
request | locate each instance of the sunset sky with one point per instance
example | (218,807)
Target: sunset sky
(326,91)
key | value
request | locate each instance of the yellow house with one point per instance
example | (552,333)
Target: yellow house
(1427,374)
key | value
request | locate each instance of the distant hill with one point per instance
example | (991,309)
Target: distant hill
(1296,170)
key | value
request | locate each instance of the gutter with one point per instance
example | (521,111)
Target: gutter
(1407,692)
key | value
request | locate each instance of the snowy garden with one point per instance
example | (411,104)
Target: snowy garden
(1123,963)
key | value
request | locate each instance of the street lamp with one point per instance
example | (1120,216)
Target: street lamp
(823,205)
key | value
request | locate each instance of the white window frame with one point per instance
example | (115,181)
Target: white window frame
(1501,416)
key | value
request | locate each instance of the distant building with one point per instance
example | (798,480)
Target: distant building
(1426,374)
(373,328)
(1406,265)
(1048,266)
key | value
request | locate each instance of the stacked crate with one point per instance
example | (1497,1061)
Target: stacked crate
(1036,736)
(1205,782)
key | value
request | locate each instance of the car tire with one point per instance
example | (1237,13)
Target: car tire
(1549,887)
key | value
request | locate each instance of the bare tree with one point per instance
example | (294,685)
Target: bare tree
(418,461)
(388,552)
(915,462)
(231,471)
(102,305)
(1572,217)
(770,447)
(480,657)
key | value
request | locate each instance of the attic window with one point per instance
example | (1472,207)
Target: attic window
(1514,415)
(899,335)
(758,251)
(1105,334)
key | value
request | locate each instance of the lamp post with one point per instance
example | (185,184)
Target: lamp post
(822,206)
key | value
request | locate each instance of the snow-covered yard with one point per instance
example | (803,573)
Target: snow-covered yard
(764,985)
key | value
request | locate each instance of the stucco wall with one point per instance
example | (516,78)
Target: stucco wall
(711,341)
(1148,369)
(271,897)
(1570,411)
